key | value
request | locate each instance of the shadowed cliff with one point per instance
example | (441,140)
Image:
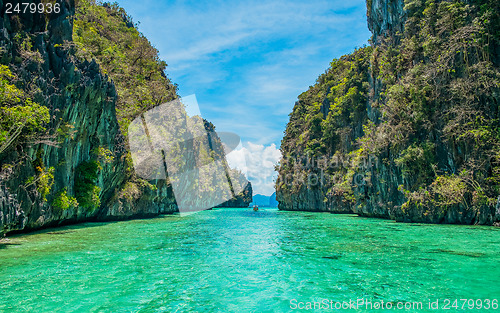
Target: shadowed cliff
(65,109)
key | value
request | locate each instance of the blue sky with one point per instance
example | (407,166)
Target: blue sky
(247,61)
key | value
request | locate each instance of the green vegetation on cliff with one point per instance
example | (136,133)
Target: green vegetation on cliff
(71,84)
(324,122)
(411,125)
(107,34)
(20,117)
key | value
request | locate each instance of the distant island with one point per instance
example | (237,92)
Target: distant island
(264,201)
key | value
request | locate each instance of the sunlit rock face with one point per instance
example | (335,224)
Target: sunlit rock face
(385,155)
(386,18)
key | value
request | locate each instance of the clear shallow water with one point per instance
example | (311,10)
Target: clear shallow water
(236,260)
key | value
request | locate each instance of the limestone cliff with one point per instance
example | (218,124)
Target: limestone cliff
(406,129)
(241,200)
(78,95)
(79,168)
(385,18)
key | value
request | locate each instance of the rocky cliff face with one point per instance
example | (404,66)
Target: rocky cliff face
(79,170)
(242,200)
(412,133)
(314,174)
(77,94)
(385,18)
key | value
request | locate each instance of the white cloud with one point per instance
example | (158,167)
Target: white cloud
(257,162)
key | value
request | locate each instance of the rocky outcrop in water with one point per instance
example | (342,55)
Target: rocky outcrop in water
(406,129)
(242,200)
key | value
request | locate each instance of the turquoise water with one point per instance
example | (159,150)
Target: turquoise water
(237,260)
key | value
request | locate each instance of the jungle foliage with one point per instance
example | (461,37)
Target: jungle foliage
(424,104)
(106,33)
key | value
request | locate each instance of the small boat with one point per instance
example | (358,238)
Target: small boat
(256,208)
